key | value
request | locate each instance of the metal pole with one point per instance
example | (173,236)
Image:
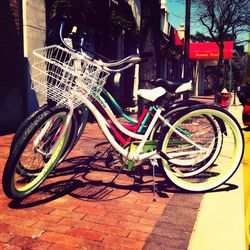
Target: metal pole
(230,77)
(186,45)
(187,38)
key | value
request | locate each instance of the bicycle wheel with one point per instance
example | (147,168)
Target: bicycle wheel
(171,110)
(36,153)
(196,163)
(26,122)
(79,120)
(211,153)
(192,166)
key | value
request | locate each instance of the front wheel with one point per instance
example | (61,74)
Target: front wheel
(26,123)
(36,153)
(200,140)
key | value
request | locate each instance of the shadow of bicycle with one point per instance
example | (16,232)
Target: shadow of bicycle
(88,178)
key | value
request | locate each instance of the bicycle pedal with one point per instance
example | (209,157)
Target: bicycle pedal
(111,162)
(114,162)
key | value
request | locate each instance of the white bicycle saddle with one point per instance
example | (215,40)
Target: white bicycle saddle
(151,94)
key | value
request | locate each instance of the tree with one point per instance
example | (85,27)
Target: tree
(200,37)
(80,8)
(224,20)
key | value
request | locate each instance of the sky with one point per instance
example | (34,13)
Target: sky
(177,13)
(177,16)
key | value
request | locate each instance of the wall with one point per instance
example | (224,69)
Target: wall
(12,90)
(34,30)
(22,29)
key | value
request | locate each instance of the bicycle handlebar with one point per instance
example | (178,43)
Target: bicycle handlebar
(101,61)
(79,45)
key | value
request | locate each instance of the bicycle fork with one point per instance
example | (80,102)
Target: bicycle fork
(58,138)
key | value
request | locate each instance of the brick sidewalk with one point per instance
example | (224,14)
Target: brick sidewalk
(86,205)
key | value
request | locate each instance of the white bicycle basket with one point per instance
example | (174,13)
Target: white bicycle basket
(64,76)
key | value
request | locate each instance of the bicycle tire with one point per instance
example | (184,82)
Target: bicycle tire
(16,184)
(178,110)
(79,119)
(25,123)
(212,175)
(170,110)
(195,166)
(77,126)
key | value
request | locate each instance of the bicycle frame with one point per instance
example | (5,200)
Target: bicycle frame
(143,119)
(138,125)
(136,155)
(117,107)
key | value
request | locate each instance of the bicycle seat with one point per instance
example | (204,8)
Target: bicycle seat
(172,86)
(151,94)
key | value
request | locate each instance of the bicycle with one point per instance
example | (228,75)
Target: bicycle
(84,86)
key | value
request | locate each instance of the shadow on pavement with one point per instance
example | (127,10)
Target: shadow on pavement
(88,178)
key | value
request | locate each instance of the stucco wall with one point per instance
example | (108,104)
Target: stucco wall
(22,29)
(34,30)
(12,100)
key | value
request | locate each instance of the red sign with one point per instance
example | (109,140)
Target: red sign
(210,50)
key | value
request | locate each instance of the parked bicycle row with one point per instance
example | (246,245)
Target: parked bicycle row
(198,146)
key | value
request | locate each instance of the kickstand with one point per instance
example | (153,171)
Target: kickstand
(154,186)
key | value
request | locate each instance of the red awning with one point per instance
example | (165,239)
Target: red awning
(177,39)
(210,50)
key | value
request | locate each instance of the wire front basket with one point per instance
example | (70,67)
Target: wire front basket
(64,76)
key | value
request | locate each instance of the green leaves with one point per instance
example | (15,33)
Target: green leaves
(81,8)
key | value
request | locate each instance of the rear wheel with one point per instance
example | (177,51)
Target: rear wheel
(36,153)
(191,166)
(211,155)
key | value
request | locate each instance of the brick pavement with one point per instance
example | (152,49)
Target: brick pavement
(86,205)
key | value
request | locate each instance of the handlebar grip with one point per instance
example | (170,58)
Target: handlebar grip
(134,60)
